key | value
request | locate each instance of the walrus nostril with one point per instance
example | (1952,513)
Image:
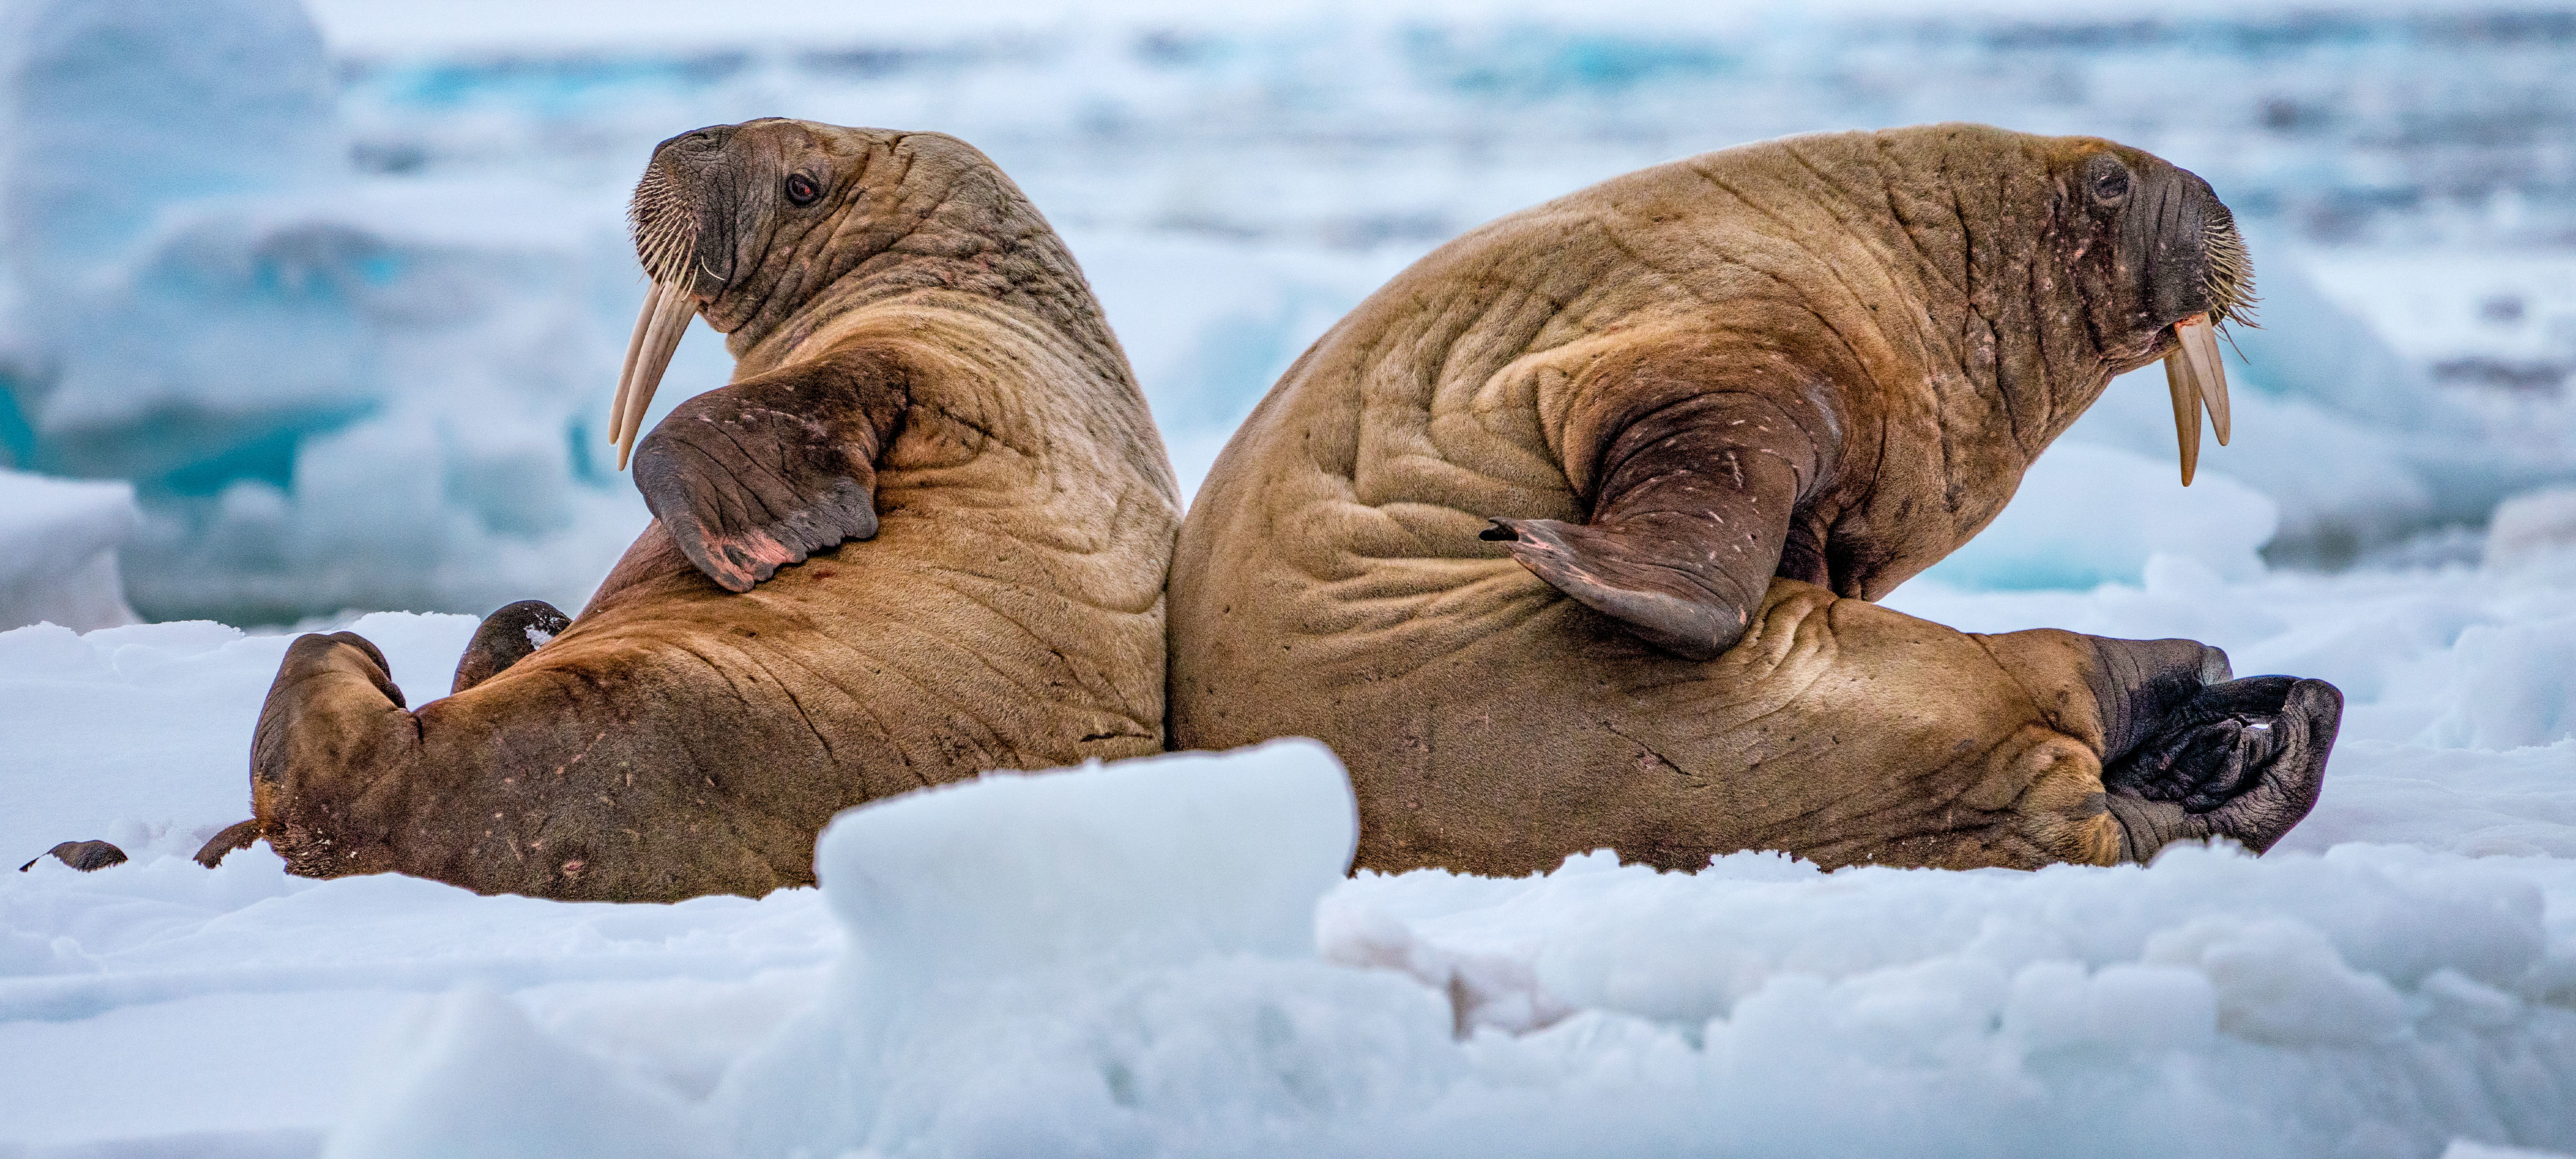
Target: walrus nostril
(708,139)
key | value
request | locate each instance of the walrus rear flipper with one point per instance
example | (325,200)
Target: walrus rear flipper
(2243,759)
(1688,522)
(765,472)
(85,856)
(507,637)
(334,727)
(235,837)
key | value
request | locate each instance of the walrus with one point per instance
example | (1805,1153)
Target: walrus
(921,533)
(1566,537)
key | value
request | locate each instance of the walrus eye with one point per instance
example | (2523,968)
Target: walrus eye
(801,189)
(2111,187)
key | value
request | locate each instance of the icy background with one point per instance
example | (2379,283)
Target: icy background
(343,298)
(309,312)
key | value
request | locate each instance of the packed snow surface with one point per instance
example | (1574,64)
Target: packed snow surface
(1160,958)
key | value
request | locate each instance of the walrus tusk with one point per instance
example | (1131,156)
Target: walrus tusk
(670,319)
(626,373)
(2186,402)
(2196,377)
(2200,341)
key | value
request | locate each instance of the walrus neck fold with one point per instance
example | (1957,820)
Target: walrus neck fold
(2154,257)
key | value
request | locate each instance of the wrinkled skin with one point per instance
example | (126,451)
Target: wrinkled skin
(929,413)
(1565,538)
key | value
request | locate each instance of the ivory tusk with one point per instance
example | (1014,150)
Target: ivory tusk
(626,373)
(670,320)
(2200,343)
(2180,379)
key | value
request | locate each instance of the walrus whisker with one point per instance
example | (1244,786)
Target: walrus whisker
(626,373)
(670,320)
(665,230)
(2231,272)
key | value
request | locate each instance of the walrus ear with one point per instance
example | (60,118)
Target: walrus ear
(763,473)
(1688,522)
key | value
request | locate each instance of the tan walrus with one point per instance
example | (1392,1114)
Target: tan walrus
(1563,539)
(921,367)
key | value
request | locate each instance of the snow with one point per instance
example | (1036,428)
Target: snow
(2533,530)
(141,734)
(58,544)
(1156,958)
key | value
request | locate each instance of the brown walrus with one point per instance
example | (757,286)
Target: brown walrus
(920,366)
(1564,538)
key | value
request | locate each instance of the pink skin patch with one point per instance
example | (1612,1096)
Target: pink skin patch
(749,560)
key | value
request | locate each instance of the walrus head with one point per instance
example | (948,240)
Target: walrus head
(745,222)
(2160,259)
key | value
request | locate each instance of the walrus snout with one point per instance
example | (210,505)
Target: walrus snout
(684,210)
(2170,221)
(2201,278)
(2193,277)
(683,231)
(703,197)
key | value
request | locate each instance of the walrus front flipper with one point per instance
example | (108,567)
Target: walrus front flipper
(767,471)
(2243,759)
(1688,522)
(506,637)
